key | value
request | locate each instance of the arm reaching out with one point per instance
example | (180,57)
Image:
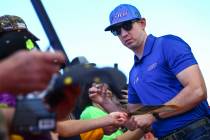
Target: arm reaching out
(64,128)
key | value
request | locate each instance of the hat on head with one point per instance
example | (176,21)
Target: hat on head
(13,23)
(14,36)
(81,60)
(122,13)
(13,41)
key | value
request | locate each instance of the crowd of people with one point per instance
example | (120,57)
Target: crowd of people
(94,110)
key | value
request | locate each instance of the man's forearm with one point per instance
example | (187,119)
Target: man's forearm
(185,101)
(191,95)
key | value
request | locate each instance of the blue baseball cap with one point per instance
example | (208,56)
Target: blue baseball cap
(122,13)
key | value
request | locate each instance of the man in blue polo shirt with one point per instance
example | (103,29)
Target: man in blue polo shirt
(164,72)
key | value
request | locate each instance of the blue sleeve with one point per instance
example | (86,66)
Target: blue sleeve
(132,95)
(178,54)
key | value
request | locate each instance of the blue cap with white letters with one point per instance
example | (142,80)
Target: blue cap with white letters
(122,13)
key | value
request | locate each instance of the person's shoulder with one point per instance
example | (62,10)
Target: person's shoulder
(92,108)
(86,113)
(89,109)
(92,112)
(172,41)
(171,38)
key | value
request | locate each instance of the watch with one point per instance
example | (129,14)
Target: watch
(156,115)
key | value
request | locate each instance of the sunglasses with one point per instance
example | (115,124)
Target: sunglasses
(116,30)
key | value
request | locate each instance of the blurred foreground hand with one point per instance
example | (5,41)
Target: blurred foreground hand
(24,71)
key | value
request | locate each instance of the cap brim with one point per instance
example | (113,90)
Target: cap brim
(116,24)
(32,36)
(86,73)
(116,79)
(108,28)
(111,26)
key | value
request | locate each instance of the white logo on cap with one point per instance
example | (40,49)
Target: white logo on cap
(21,26)
(121,14)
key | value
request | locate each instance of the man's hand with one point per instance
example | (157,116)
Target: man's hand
(140,121)
(131,124)
(117,118)
(29,71)
(144,121)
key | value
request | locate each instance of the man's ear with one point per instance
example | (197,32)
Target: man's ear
(142,21)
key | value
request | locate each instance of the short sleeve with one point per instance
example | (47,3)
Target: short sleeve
(92,112)
(178,54)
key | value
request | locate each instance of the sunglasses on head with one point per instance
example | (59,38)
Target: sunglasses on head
(116,30)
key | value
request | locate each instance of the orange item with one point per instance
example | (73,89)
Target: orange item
(96,134)
(16,137)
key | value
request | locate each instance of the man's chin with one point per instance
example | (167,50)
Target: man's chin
(131,46)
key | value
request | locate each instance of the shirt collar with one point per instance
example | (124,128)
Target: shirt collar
(147,47)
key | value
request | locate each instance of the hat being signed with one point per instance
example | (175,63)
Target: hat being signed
(122,13)
(88,73)
(82,74)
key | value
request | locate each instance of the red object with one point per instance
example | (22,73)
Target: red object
(71,93)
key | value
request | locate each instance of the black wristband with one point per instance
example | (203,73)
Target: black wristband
(156,115)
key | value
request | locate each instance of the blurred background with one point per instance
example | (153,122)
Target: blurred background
(80,26)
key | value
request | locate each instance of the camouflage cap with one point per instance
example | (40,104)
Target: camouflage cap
(13,23)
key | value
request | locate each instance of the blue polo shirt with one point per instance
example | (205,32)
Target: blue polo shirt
(152,79)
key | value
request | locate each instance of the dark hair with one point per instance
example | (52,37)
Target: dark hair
(83,101)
